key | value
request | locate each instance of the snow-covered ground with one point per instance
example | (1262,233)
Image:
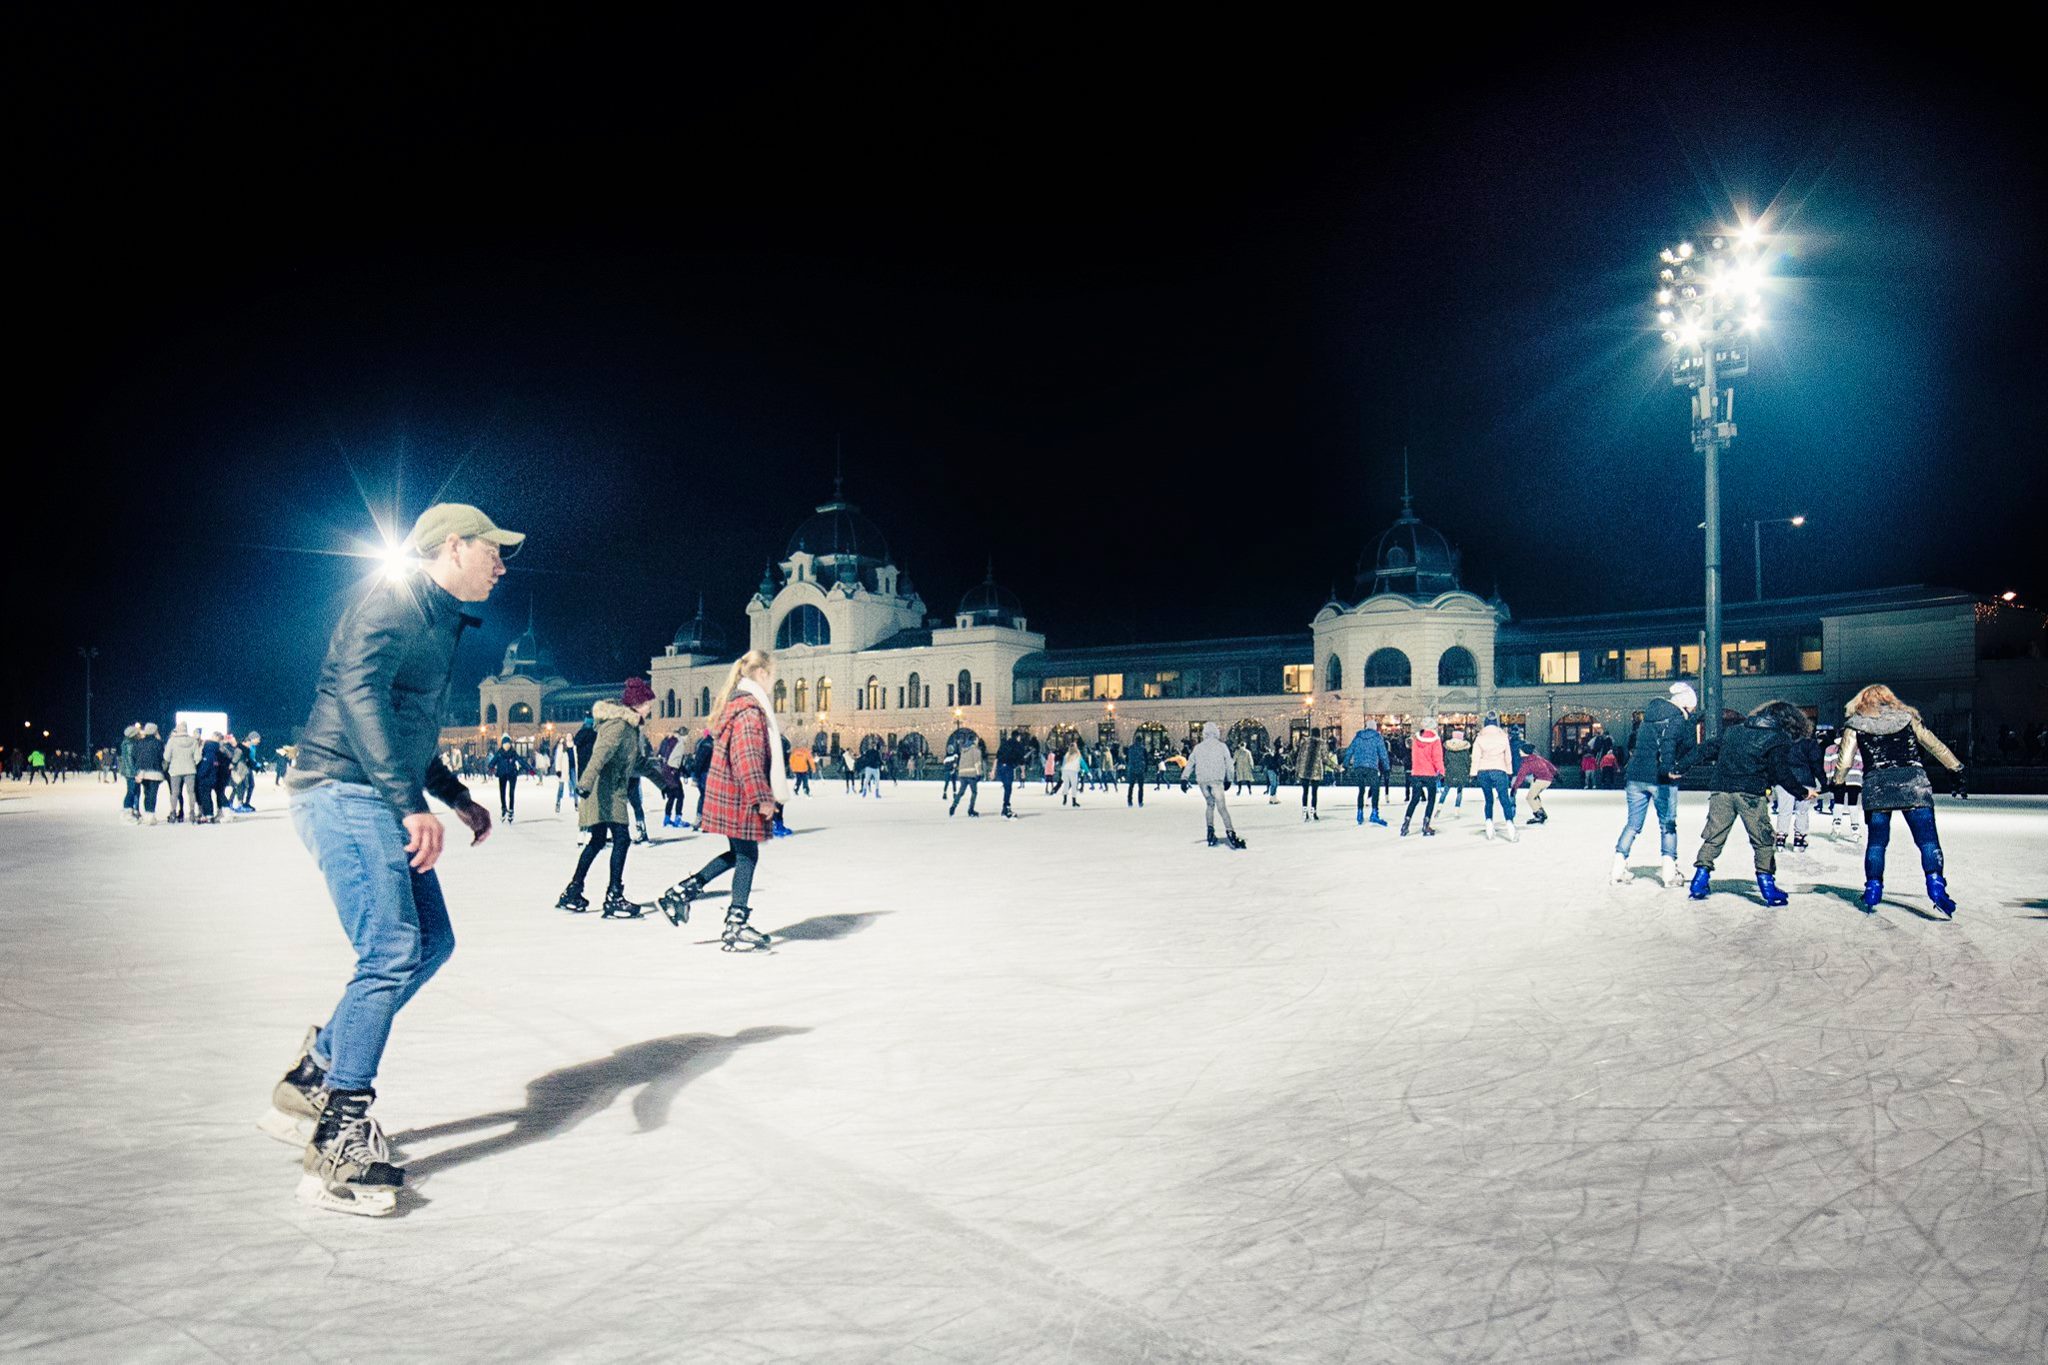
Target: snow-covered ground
(1072,1087)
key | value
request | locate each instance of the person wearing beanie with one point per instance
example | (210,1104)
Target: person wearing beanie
(602,804)
(1664,745)
(505,766)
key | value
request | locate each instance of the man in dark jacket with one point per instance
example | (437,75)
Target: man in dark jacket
(1748,761)
(1661,748)
(1137,766)
(359,785)
(1009,757)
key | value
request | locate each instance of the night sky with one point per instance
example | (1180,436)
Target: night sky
(1146,314)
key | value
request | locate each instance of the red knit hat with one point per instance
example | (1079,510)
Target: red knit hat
(638,692)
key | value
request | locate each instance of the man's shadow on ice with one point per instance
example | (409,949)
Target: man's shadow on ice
(560,1100)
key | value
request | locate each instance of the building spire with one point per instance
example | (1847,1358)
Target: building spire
(991,568)
(529,615)
(1407,499)
(838,467)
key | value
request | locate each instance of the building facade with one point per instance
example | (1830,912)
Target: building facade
(862,662)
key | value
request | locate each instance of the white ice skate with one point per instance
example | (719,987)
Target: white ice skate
(1489,829)
(1514,835)
(1619,874)
(1671,876)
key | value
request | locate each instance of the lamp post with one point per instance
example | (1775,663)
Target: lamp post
(1709,303)
(1756,536)
(88,653)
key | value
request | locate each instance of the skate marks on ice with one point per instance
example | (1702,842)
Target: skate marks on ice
(562,1099)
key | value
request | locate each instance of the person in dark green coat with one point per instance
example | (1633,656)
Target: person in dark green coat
(603,804)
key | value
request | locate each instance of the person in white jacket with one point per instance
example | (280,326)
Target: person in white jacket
(1493,769)
(1209,767)
(1070,775)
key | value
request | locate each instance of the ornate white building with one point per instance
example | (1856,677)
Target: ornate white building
(861,661)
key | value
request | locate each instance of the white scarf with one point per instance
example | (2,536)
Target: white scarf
(778,776)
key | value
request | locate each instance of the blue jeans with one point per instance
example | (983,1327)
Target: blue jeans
(1640,795)
(1919,820)
(393,915)
(1494,782)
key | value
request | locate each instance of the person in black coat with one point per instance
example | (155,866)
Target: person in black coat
(1748,761)
(505,767)
(1659,749)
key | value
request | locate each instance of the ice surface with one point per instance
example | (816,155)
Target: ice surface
(1072,1087)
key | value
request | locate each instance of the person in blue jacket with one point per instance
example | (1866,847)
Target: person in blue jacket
(1370,764)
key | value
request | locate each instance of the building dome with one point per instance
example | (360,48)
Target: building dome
(1411,557)
(699,634)
(523,657)
(837,530)
(990,604)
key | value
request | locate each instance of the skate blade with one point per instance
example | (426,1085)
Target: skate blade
(289,1129)
(315,1193)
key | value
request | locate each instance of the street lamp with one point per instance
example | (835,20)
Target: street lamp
(1708,304)
(1756,536)
(88,654)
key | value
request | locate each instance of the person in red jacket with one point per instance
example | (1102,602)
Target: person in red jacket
(1425,766)
(1539,773)
(741,791)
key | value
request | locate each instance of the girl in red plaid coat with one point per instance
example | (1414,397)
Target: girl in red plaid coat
(741,792)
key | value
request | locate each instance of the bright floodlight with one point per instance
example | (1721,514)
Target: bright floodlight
(1750,234)
(2007,595)
(396,562)
(1799,520)
(1684,250)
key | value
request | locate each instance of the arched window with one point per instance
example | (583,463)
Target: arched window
(824,696)
(668,704)
(703,701)
(781,695)
(520,714)
(1333,674)
(805,625)
(966,692)
(1154,737)
(1457,668)
(1063,735)
(1250,732)
(916,697)
(803,696)
(491,714)
(1387,668)
(874,693)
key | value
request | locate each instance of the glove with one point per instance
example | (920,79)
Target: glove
(1961,790)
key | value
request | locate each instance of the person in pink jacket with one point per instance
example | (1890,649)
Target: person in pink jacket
(1492,761)
(1539,772)
(1425,767)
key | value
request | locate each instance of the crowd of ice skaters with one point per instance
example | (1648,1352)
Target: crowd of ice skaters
(368,757)
(203,775)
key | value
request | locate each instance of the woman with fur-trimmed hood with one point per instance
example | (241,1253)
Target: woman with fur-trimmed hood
(1890,739)
(603,805)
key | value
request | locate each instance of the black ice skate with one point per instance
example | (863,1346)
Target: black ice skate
(297,1100)
(348,1166)
(739,936)
(1232,839)
(675,902)
(573,900)
(616,906)
(1212,838)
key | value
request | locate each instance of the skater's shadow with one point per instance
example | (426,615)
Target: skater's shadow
(1854,900)
(820,928)
(560,1100)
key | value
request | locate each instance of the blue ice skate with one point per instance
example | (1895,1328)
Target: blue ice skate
(1702,880)
(1873,892)
(1937,891)
(1767,884)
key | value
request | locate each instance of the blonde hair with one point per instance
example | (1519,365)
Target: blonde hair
(745,664)
(1875,698)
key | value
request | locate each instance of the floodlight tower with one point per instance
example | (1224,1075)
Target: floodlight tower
(1709,305)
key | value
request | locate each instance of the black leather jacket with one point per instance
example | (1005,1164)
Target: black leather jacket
(376,713)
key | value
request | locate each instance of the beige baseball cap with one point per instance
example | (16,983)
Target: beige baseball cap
(446,519)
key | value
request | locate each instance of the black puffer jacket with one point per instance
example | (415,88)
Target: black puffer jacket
(1663,743)
(376,712)
(1757,754)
